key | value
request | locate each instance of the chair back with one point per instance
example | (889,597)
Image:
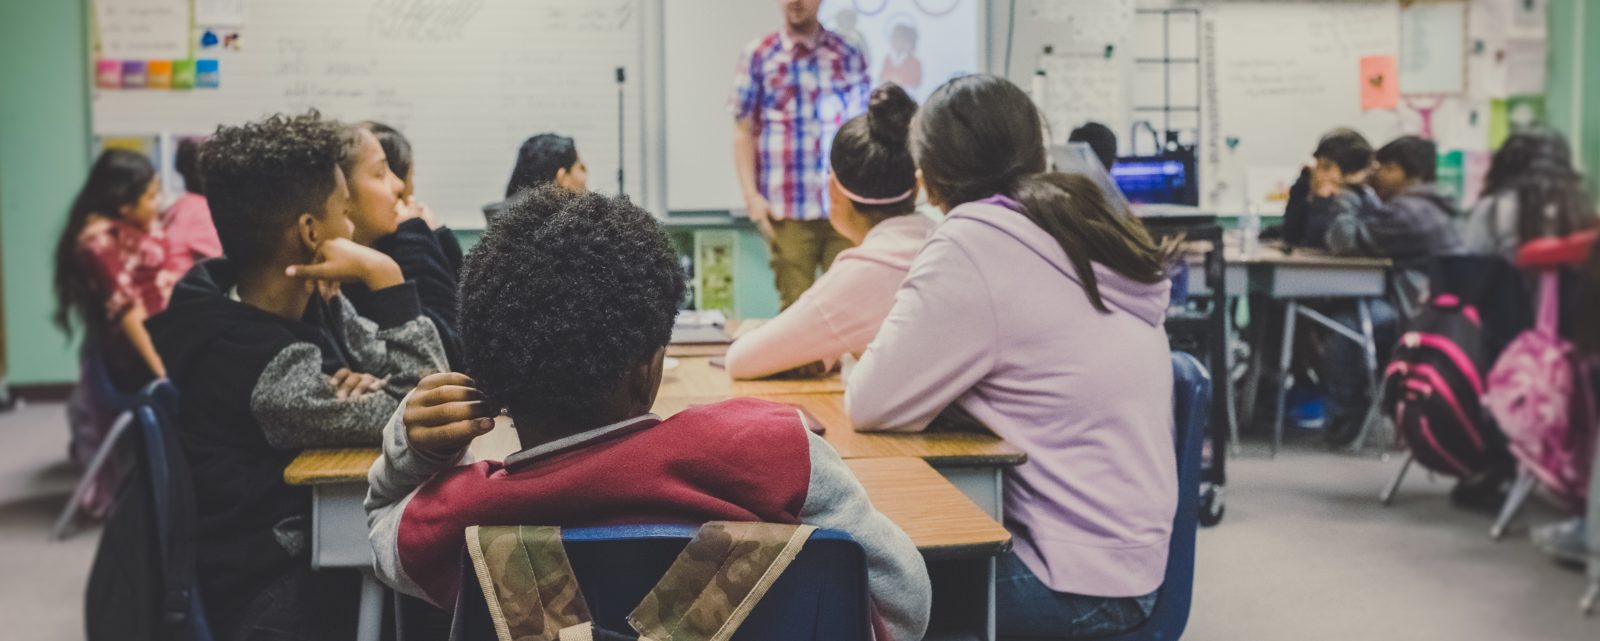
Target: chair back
(1191,403)
(822,595)
(172,499)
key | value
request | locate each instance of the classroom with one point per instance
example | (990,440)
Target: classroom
(772,320)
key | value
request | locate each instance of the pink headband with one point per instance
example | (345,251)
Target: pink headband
(870,201)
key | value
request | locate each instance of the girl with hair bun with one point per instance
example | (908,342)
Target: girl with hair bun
(873,191)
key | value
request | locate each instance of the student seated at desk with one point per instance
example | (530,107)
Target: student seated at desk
(191,237)
(1037,308)
(270,360)
(545,159)
(1411,219)
(1532,191)
(397,152)
(567,308)
(874,192)
(1336,185)
(388,222)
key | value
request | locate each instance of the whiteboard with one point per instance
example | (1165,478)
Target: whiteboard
(466,80)
(702,42)
(1279,75)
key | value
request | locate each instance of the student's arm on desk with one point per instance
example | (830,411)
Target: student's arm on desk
(936,344)
(799,336)
(299,408)
(896,573)
(1350,233)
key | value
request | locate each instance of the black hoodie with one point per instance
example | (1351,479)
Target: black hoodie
(255,390)
(432,260)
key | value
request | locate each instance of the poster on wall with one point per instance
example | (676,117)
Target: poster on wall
(917,44)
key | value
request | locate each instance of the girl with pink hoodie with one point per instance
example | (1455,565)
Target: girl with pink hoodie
(874,196)
(1036,308)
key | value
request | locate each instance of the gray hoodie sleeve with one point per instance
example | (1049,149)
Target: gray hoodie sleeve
(392,481)
(896,573)
(297,405)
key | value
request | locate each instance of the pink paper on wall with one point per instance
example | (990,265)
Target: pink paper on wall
(1380,83)
(108,74)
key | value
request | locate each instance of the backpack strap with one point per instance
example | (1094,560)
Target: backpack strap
(527,582)
(1549,319)
(717,580)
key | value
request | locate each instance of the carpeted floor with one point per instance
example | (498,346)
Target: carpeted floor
(1304,553)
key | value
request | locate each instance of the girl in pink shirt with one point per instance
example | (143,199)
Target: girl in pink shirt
(874,194)
(191,237)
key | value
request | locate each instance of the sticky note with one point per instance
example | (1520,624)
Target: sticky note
(206,74)
(108,74)
(133,76)
(158,74)
(1380,86)
(183,74)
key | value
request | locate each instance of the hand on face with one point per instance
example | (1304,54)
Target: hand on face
(341,260)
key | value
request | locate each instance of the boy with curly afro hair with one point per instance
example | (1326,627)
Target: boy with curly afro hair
(271,360)
(567,305)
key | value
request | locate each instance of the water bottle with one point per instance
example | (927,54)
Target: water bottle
(1250,229)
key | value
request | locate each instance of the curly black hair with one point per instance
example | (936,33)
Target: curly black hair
(563,295)
(260,176)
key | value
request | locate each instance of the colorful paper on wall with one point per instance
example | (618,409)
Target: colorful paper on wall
(183,74)
(158,74)
(108,74)
(1380,86)
(207,75)
(133,76)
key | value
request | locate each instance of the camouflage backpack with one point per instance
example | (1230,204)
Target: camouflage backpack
(532,594)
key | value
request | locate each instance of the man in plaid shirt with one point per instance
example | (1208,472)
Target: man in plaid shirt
(793,90)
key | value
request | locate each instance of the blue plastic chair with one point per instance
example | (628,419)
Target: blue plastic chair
(822,596)
(156,412)
(1191,405)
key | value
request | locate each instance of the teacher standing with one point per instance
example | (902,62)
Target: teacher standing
(793,90)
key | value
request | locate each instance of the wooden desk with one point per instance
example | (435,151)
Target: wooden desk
(695,378)
(974,462)
(959,540)
(937,517)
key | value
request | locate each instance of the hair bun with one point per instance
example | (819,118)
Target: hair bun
(889,113)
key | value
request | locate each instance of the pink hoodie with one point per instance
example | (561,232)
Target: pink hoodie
(993,317)
(842,311)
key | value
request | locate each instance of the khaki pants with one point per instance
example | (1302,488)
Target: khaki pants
(801,249)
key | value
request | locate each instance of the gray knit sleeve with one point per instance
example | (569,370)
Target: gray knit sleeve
(896,573)
(296,406)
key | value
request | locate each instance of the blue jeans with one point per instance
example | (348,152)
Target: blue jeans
(1025,608)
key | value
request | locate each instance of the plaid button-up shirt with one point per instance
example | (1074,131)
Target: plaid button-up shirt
(798,94)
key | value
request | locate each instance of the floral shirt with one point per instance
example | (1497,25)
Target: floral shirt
(127,265)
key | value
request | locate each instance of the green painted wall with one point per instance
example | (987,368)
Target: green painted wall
(44,145)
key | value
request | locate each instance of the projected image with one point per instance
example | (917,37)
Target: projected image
(896,37)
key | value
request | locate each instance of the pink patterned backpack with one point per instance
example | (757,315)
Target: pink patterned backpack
(1540,393)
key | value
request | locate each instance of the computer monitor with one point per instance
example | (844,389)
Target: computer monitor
(1157,180)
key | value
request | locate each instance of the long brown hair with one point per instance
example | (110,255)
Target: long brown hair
(980,135)
(119,177)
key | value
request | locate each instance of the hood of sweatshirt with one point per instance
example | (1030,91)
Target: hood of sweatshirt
(1145,301)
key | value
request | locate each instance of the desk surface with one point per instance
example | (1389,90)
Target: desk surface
(695,377)
(941,520)
(942,449)
(1269,255)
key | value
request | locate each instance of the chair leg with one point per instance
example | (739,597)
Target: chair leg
(1387,497)
(1285,360)
(1370,352)
(1514,502)
(1591,597)
(64,523)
